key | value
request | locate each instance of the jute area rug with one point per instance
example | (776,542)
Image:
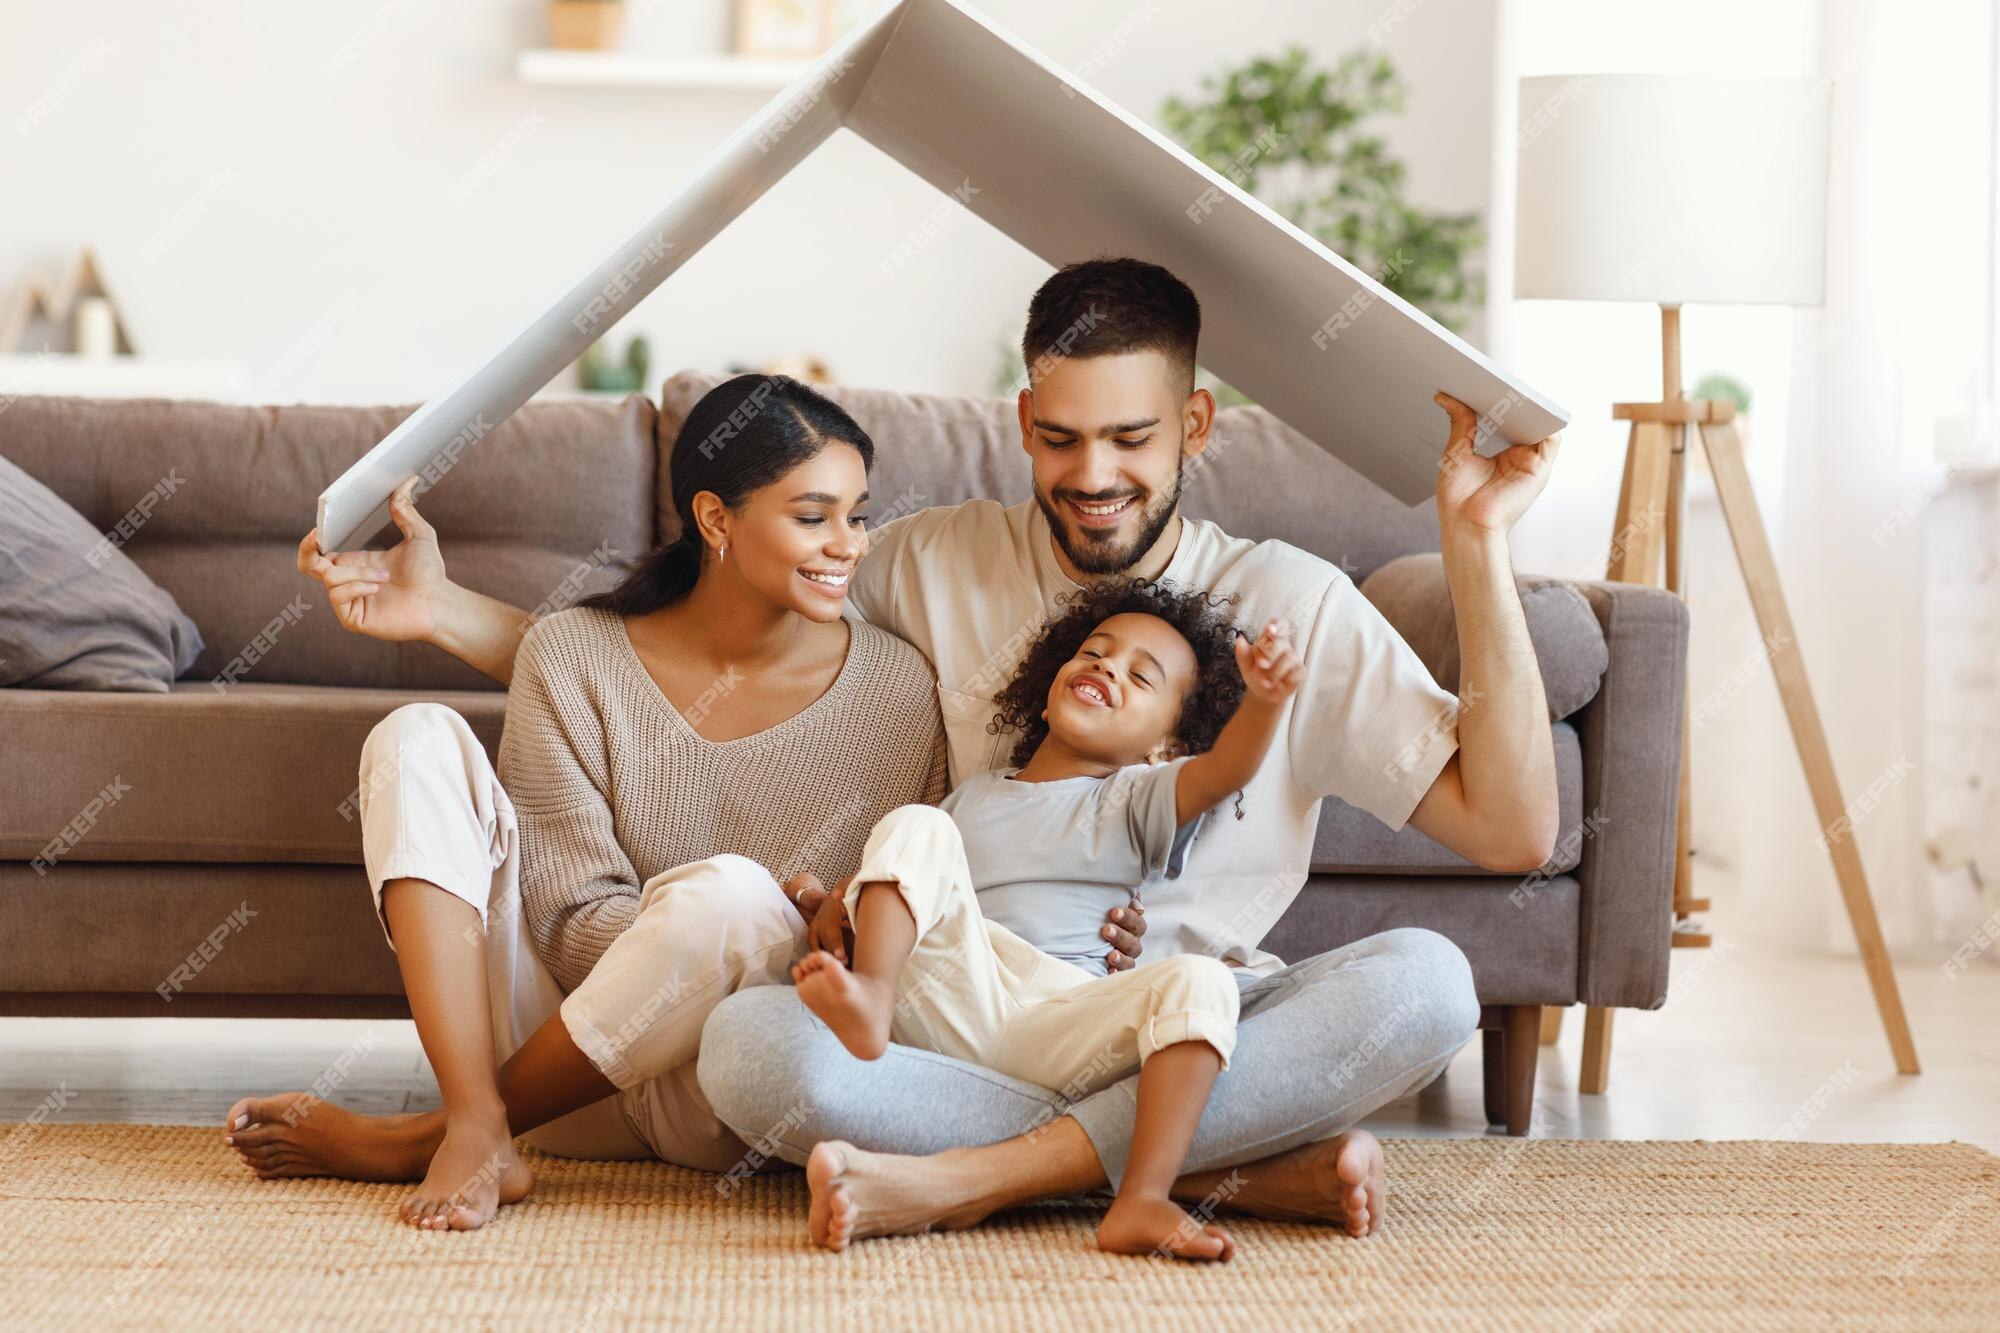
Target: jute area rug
(130,1226)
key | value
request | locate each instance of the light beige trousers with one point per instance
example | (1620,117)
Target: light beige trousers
(433,809)
(975,990)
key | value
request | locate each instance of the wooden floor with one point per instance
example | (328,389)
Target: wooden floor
(1749,1046)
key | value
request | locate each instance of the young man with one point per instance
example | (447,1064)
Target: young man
(1108,426)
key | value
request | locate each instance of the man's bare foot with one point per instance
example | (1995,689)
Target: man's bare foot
(1140,1225)
(858,1194)
(1339,1180)
(468,1170)
(833,1214)
(857,1008)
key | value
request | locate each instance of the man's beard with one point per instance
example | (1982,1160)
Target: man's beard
(1102,553)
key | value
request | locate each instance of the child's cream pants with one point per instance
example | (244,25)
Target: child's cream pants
(975,990)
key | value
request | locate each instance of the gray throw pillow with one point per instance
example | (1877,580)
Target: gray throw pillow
(75,612)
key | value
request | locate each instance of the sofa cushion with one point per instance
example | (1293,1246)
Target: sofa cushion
(559,500)
(251,773)
(1521,952)
(934,450)
(1354,842)
(1412,595)
(146,929)
(75,612)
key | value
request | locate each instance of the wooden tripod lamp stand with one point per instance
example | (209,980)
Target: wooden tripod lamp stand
(1672,189)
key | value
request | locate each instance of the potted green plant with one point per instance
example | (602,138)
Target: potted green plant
(1304,140)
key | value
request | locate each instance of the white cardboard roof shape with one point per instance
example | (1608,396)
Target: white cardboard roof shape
(1068,175)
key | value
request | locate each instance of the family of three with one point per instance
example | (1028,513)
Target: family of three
(1020,743)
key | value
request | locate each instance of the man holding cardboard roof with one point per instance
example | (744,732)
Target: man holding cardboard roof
(1109,421)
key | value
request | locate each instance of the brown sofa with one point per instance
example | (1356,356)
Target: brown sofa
(224,878)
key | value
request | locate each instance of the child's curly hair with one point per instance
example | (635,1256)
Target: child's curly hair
(1200,618)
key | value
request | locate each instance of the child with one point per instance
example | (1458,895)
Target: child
(1134,740)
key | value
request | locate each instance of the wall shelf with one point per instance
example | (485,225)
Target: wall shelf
(121,377)
(629,69)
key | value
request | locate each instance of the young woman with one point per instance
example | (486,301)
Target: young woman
(675,750)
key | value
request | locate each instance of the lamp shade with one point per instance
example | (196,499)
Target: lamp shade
(1672,189)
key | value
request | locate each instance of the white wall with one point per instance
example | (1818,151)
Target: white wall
(273,183)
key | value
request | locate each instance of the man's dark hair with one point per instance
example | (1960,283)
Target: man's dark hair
(1104,307)
(1198,616)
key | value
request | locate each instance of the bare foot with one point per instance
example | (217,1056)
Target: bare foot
(1339,1180)
(834,1214)
(468,1166)
(1140,1225)
(298,1134)
(858,1194)
(474,1173)
(857,1008)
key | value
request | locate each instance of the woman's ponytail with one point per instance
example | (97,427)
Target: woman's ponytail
(661,577)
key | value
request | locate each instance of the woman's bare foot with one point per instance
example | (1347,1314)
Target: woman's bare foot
(468,1168)
(474,1173)
(298,1134)
(858,1194)
(1140,1225)
(857,1008)
(1339,1180)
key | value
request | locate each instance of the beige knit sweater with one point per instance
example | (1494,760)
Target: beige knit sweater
(611,786)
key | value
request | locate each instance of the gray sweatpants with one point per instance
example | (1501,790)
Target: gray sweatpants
(1319,1045)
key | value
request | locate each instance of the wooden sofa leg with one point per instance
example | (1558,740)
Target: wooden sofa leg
(1493,1066)
(1552,1024)
(1596,1050)
(1522,1040)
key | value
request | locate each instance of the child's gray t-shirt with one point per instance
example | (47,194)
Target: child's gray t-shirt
(1051,859)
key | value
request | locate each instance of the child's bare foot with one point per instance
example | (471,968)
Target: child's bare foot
(857,1008)
(1141,1225)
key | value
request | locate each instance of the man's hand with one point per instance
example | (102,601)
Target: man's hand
(1271,668)
(825,913)
(1122,927)
(392,594)
(1487,494)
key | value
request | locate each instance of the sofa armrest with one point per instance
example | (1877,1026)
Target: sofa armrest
(1568,635)
(1631,738)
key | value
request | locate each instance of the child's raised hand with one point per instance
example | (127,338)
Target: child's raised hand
(1271,670)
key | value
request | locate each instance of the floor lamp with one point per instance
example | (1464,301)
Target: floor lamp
(1672,189)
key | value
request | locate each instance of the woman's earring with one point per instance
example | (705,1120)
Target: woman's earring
(722,553)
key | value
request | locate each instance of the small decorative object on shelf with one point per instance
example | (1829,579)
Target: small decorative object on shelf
(586,25)
(74,315)
(784,27)
(595,374)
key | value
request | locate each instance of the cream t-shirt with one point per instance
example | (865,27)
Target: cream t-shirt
(971,585)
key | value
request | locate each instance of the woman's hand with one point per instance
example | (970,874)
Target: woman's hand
(825,913)
(394,594)
(1122,927)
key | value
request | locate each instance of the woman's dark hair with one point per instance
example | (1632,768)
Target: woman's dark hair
(742,435)
(1198,616)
